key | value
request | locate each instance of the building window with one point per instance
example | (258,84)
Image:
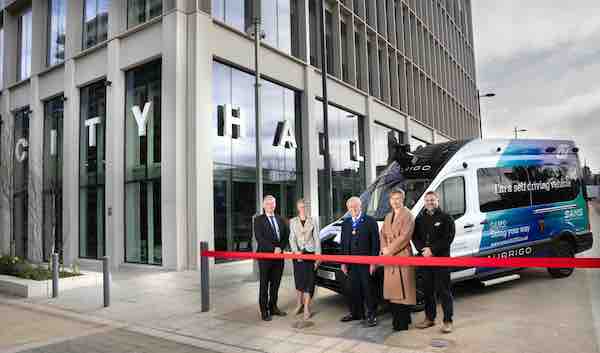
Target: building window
(56,31)
(279,20)
(235,158)
(92,128)
(346,150)
(20,182)
(143,232)
(24,60)
(95,22)
(140,11)
(52,180)
(345,55)
(383,138)
(329,42)
(358,62)
(1,51)
(314,33)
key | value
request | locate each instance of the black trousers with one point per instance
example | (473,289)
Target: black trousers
(270,279)
(436,282)
(361,291)
(401,316)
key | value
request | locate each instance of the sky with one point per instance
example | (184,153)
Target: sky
(542,60)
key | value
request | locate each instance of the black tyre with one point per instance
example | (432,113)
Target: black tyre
(562,249)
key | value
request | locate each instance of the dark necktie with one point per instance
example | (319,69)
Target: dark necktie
(275,228)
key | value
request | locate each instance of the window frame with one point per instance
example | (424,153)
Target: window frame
(440,193)
(50,25)
(147,17)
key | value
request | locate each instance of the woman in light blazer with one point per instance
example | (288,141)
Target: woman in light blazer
(304,239)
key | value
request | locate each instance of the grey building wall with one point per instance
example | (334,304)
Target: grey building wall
(429,92)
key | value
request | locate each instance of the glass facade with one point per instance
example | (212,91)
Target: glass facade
(24,59)
(234,153)
(346,141)
(20,182)
(56,31)
(279,20)
(382,136)
(92,128)
(140,11)
(95,22)
(143,233)
(52,229)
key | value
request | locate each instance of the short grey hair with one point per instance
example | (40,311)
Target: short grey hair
(268,198)
(354,199)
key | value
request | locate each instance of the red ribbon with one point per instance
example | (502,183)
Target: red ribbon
(513,262)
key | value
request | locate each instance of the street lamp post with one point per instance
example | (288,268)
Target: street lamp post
(257,33)
(517,130)
(479,96)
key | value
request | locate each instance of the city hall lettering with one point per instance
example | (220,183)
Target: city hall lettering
(232,124)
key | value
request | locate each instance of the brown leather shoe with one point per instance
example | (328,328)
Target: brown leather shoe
(447,327)
(425,324)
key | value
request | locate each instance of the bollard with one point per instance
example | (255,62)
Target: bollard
(106,280)
(204,279)
(55,274)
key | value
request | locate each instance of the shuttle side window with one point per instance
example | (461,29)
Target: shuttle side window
(554,183)
(452,196)
(503,188)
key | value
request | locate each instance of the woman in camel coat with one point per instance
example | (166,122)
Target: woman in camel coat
(399,281)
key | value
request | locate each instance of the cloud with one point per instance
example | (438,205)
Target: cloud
(542,60)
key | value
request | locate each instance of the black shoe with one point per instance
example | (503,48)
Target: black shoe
(349,318)
(371,321)
(278,312)
(266,317)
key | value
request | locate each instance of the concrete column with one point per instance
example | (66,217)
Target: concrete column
(202,197)
(310,142)
(6,153)
(369,121)
(70,185)
(114,192)
(71,166)
(34,159)
(174,191)
(11,38)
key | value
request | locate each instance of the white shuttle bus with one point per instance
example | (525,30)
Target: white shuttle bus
(509,198)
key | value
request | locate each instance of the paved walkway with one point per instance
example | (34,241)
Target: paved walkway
(535,314)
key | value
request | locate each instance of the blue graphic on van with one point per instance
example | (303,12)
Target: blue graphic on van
(530,201)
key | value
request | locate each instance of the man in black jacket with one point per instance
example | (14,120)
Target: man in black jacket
(360,236)
(433,235)
(272,235)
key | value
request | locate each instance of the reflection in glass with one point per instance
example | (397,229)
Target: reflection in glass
(24,62)
(382,136)
(348,173)
(140,11)
(278,20)
(56,32)
(52,183)
(91,170)
(234,157)
(20,183)
(95,22)
(143,241)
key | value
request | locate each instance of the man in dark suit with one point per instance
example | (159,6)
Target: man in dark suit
(272,235)
(360,236)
